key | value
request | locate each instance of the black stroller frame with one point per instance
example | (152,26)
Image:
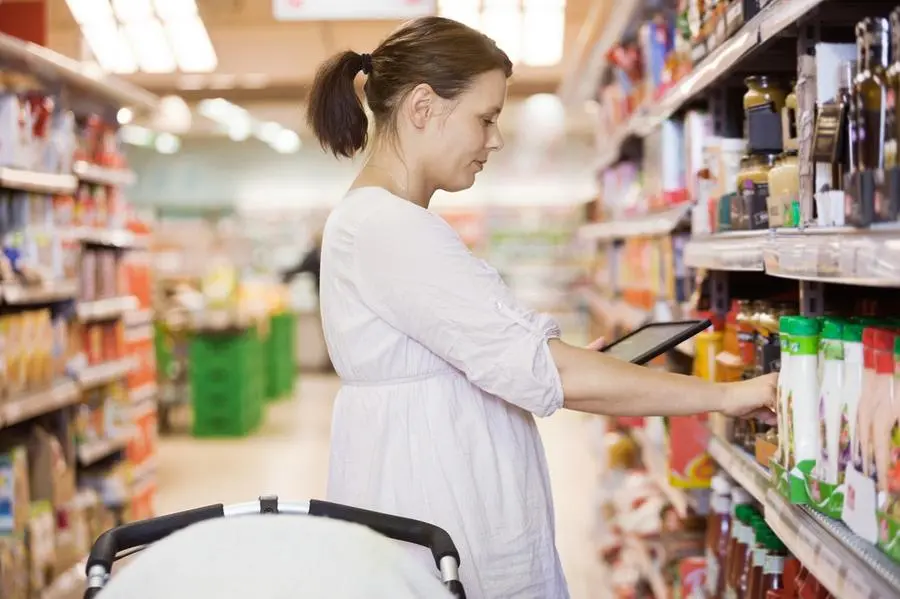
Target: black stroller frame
(108,547)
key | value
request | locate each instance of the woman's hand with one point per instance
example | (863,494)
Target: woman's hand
(597,344)
(754,398)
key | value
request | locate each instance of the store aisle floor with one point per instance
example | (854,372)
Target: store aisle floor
(289,457)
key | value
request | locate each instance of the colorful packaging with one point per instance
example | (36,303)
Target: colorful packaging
(851,389)
(803,397)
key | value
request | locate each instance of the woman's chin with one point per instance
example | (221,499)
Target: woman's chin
(462,184)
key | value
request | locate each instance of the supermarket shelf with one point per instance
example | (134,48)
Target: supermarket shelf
(843,255)
(19,295)
(13,178)
(770,22)
(94,451)
(654,458)
(68,585)
(849,567)
(139,317)
(144,393)
(106,309)
(25,406)
(103,175)
(616,312)
(741,466)
(101,374)
(114,238)
(50,66)
(740,251)
(660,223)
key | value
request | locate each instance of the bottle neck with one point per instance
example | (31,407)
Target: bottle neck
(877,52)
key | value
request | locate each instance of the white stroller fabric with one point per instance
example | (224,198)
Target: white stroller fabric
(274,557)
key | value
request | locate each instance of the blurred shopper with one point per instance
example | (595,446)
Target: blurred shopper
(442,369)
(310,263)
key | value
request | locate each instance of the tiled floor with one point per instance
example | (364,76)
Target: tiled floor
(289,457)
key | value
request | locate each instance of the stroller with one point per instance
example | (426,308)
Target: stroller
(206,523)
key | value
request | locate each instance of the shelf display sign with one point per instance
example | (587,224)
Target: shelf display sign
(351,10)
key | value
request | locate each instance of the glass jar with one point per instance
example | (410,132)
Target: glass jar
(764,92)
(784,191)
(763,106)
(753,192)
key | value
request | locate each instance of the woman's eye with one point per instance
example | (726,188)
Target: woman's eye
(489,122)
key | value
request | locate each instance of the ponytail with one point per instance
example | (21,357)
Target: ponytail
(335,112)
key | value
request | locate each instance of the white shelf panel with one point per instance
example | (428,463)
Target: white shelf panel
(94,451)
(102,374)
(741,466)
(650,225)
(728,251)
(54,183)
(102,175)
(849,567)
(770,22)
(106,309)
(80,77)
(17,295)
(22,407)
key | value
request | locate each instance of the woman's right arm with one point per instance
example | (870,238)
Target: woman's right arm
(599,384)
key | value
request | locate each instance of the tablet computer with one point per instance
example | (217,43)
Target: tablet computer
(651,340)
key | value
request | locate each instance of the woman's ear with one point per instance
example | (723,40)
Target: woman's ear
(420,105)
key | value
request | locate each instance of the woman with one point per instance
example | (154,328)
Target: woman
(442,370)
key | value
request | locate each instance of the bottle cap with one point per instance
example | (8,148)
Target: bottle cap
(897,345)
(883,340)
(802,326)
(832,328)
(785,324)
(721,484)
(740,496)
(868,337)
(852,332)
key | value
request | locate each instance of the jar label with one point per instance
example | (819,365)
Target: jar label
(774,565)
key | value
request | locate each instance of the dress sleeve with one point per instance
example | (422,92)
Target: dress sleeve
(416,274)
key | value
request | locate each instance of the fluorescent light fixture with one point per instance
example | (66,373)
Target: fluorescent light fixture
(221,110)
(124,116)
(286,142)
(148,39)
(269,132)
(109,47)
(543,31)
(170,10)
(166,143)
(193,49)
(90,11)
(136,136)
(129,11)
(239,129)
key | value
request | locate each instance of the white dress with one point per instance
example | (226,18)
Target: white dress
(441,373)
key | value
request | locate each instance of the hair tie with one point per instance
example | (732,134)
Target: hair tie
(366,60)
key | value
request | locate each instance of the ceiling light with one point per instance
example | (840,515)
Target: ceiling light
(193,49)
(169,10)
(148,39)
(129,11)
(166,143)
(136,136)
(286,142)
(90,11)
(269,132)
(543,31)
(109,47)
(239,129)
(221,110)
(124,116)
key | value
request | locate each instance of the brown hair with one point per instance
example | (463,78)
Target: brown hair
(441,52)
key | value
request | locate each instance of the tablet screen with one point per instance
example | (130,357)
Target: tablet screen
(652,337)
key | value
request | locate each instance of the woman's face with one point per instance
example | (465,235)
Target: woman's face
(463,133)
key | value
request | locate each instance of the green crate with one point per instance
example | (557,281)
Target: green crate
(226,383)
(281,356)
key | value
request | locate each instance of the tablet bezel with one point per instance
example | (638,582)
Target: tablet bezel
(693,327)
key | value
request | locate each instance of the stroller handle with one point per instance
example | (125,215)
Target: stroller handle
(136,534)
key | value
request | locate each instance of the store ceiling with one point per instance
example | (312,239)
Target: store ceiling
(263,60)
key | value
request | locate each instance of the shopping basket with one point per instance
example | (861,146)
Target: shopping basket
(124,540)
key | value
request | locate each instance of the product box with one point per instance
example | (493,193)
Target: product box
(13,568)
(15,496)
(73,540)
(52,478)
(41,545)
(691,576)
(690,466)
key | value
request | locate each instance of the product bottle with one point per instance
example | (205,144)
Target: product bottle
(847,156)
(893,500)
(883,341)
(783,393)
(830,389)
(851,390)
(871,89)
(773,572)
(737,549)
(865,413)
(755,554)
(746,336)
(803,397)
(718,529)
(754,589)
(740,501)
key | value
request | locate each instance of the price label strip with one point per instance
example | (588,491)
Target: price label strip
(848,566)
(19,409)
